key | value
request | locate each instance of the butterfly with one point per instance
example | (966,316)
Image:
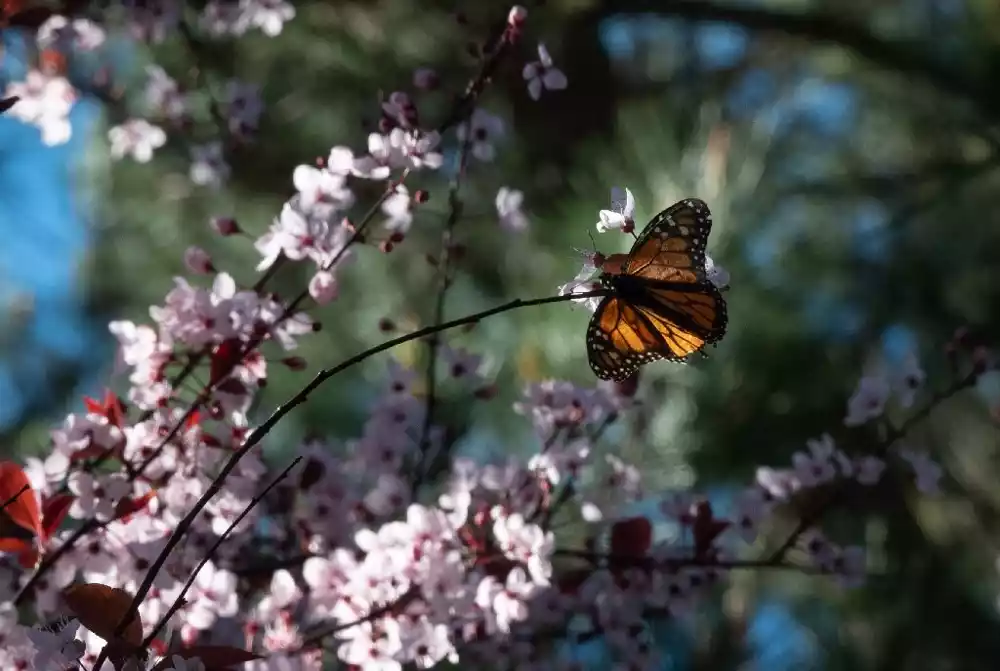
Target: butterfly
(661,304)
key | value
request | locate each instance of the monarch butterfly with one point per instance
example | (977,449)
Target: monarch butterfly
(662,304)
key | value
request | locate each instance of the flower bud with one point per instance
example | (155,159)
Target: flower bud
(517,16)
(198,261)
(225,226)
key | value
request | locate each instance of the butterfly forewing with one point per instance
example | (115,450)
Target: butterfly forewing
(672,246)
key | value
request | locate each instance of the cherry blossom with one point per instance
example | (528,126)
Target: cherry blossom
(58,32)
(199,261)
(268,15)
(622,212)
(44,101)
(208,165)
(398,207)
(152,21)
(96,496)
(543,75)
(926,471)
(508,203)
(163,94)
(868,401)
(716,274)
(56,649)
(136,138)
(322,192)
(481,132)
(323,287)
(585,281)
(243,106)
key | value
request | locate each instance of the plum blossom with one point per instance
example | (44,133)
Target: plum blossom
(268,15)
(543,75)
(198,261)
(212,595)
(58,32)
(926,471)
(816,466)
(622,212)
(868,401)
(508,203)
(526,543)
(716,274)
(208,165)
(223,17)
(323,287)
(481,131)
(907,380)
(243,106)
(299,235)
(585,281)
(96,496)
(136,138)
(56,649)
(323,193)
(45,101)
(152,21)
(398,207)
(163,94)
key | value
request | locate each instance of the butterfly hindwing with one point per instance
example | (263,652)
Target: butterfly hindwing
(700,309)
(672,246)
(620,339)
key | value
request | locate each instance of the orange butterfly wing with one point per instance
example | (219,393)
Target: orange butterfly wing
(672,246)
(666,308)
(620,339)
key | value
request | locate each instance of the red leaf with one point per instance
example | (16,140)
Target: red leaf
(93,406)
(214,657)
(110,407)
(631,537)
(233,386)
(54,510)
(26,552)
(705,528)
(23,510)
(100,608)
(130,505)
(224,359)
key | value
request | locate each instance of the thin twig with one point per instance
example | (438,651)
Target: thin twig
(179,601)
(809,520)
(16,496)
(455,208)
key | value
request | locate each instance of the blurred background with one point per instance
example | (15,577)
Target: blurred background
(850,153)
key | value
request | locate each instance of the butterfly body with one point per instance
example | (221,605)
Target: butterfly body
(661,304)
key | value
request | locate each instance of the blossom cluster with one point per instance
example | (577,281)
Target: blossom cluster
(390,545)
